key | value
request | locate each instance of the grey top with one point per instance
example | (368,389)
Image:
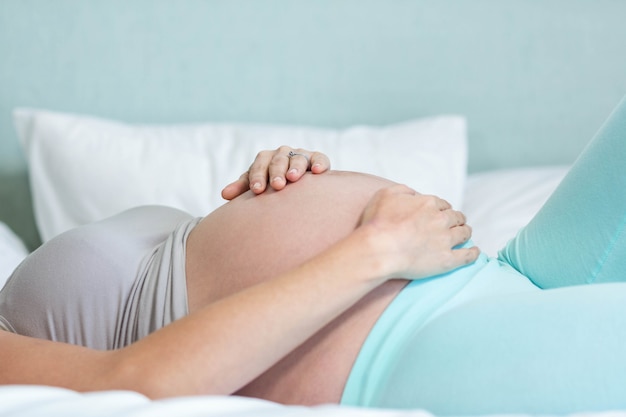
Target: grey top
(103,285)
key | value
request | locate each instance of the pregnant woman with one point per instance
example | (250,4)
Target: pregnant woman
(341,287)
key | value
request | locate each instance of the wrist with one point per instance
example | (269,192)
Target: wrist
(374,258)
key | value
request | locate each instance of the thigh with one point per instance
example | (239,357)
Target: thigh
(542,352)
(579,236)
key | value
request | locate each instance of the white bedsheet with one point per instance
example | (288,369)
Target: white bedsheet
(23,401)
(12,251)
(499,203)
(30,401)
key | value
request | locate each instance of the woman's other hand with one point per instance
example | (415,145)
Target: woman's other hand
(416,234)
(276,168)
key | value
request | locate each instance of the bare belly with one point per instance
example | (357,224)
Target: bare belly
(254,238)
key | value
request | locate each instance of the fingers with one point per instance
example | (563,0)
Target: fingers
(460,232)
(443,204)
(289,164)
(269,167)
(461,257)
(319,163)
(236,188)
(259,171)
(423,230)
(454,218)
(284,164)
(458,253)
(298,163)
(276,168)
(460,235)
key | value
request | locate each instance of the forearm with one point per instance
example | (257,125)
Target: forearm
(27,360)
(228,343)
(216,350)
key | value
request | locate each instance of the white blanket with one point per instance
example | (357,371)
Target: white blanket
(12,251)
(23,401)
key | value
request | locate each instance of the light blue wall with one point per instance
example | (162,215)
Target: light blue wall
(534,77)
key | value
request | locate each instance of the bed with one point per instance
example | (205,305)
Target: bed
(485,103)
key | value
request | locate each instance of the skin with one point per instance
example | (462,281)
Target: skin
(294,225)
(257,271)
(320,210)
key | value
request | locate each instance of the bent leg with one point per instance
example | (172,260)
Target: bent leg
(578,237)
(556,351)
(540,352)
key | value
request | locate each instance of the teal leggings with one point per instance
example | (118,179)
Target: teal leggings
(524,333)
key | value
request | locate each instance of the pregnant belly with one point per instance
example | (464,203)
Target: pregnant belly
(316,373)
(254,238)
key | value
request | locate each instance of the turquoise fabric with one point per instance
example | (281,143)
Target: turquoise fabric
(583,223)
(489,339)
(421,302)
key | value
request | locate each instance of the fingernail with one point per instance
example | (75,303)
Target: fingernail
(276,179)
(293,171)
(256,186)
(316,166)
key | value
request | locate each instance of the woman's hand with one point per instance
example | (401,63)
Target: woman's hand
(276,168)
(415,234)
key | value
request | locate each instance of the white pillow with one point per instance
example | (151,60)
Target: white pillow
(12,252)
(499,203)
(83,169)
